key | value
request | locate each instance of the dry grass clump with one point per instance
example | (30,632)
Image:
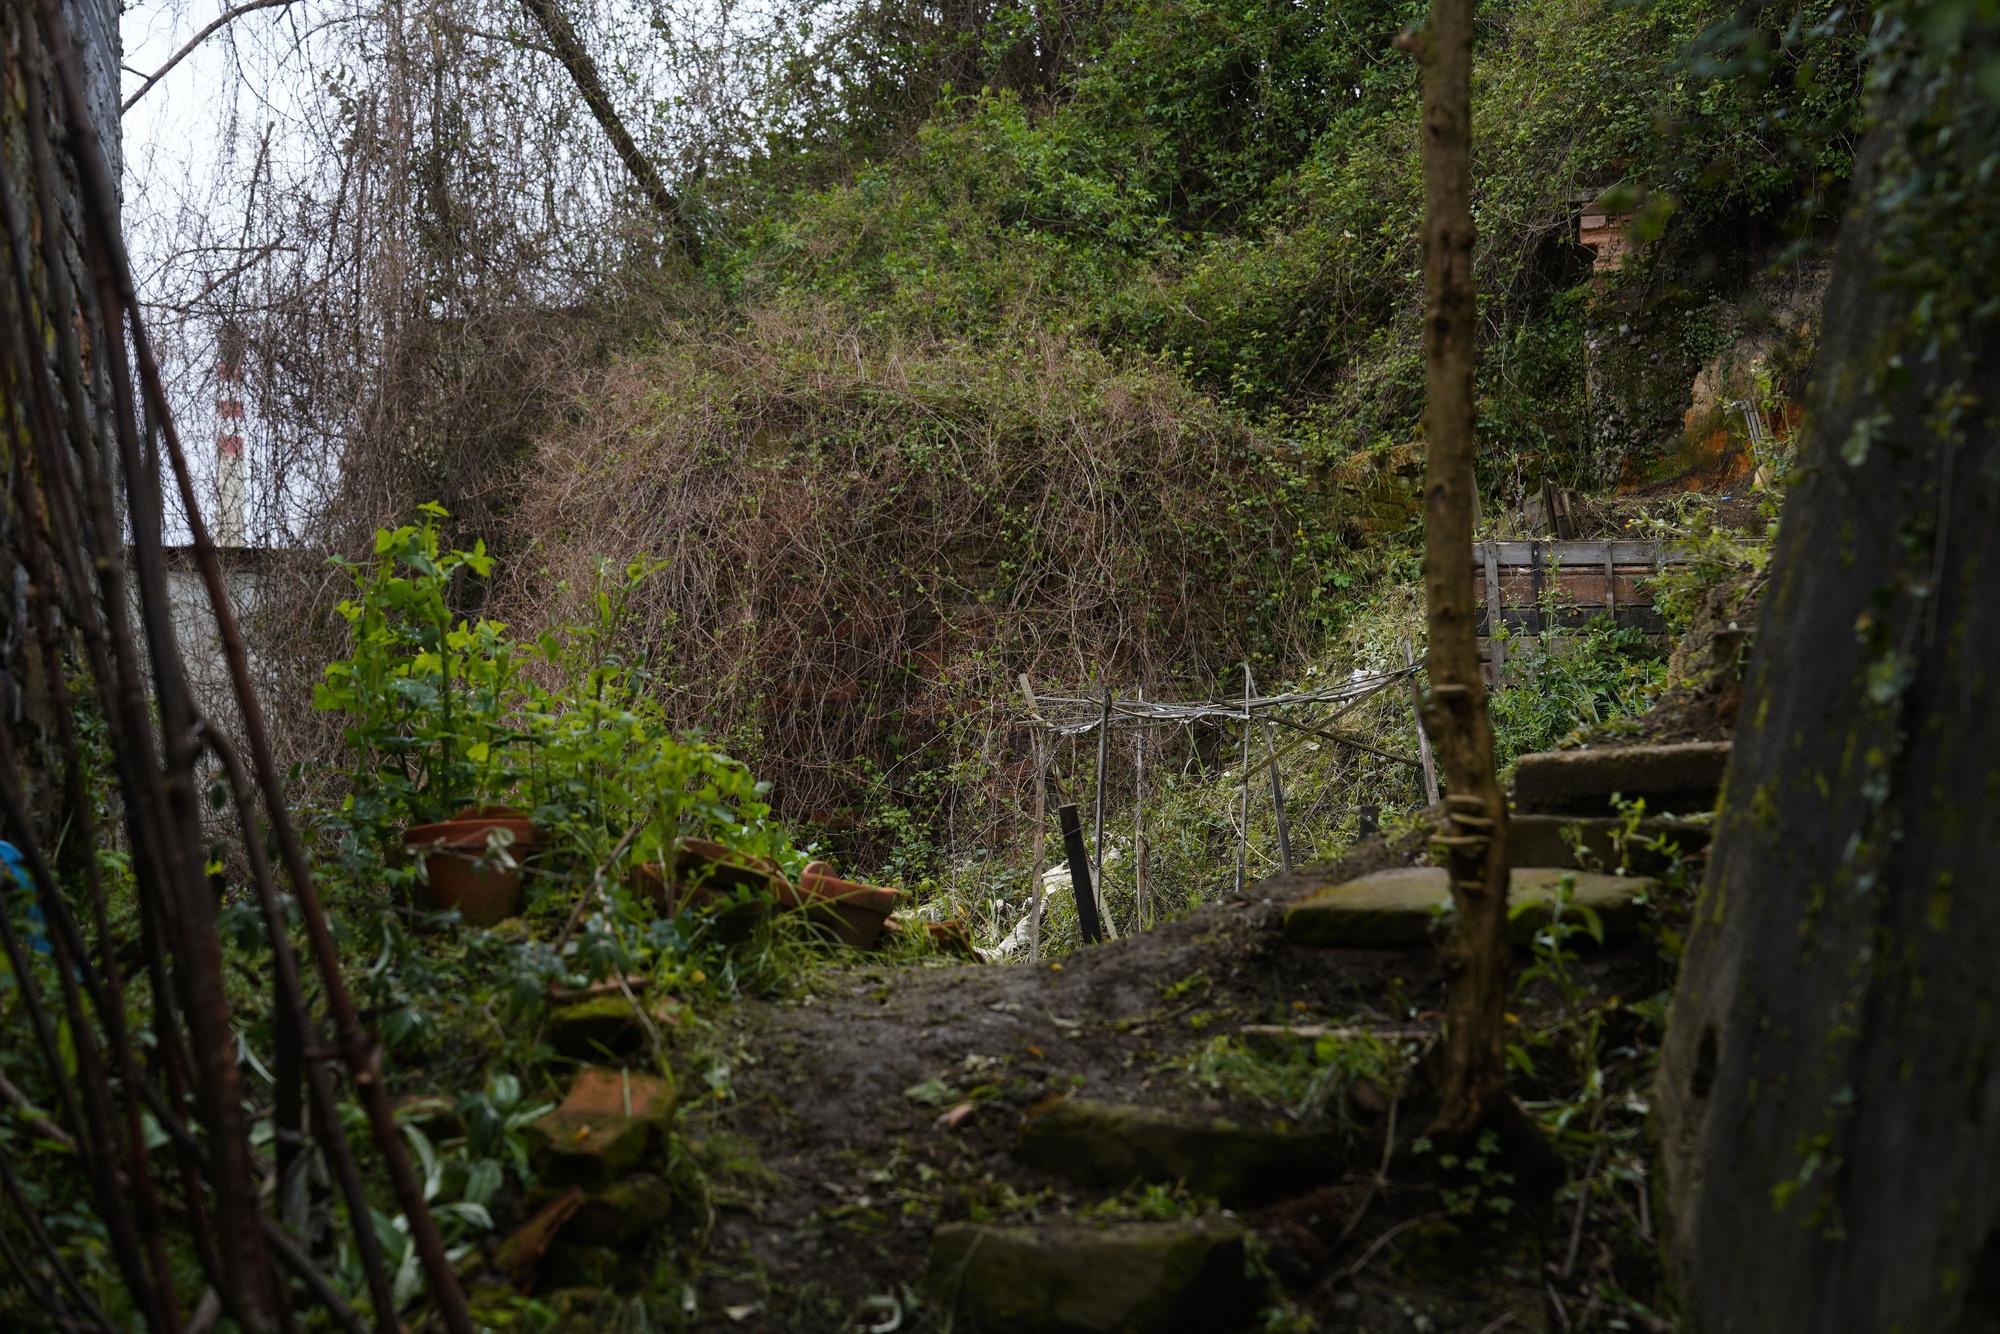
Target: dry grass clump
(866,538)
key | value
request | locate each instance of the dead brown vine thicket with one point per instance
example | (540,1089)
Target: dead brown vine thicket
(867,539)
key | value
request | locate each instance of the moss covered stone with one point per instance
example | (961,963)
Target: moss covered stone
(1115,1144)
(1551,840)
(1398,907)
(621,1212)
(603,1026)
(611,1124)
(1137,1278)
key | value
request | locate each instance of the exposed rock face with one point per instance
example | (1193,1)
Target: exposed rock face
(1079,1278)
(1397,908)
(1114,1144)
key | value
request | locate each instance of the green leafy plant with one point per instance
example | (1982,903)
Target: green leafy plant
(426,695)
(443,711)
(1308,1081)
(1475,1185)
(1560,681)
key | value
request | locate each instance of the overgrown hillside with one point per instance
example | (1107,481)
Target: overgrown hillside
(642,905)
(1104,366)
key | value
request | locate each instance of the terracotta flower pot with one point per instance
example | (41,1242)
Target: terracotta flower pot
(459,874)
(854,912)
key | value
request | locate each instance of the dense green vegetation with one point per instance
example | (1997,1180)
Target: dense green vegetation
(1142,318)
(1092,356)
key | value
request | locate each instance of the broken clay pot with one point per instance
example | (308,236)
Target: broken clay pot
(853,912)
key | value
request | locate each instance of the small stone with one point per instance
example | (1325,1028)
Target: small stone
(1082,1278)
(1393,909)
(1116,1144)
(610,1125)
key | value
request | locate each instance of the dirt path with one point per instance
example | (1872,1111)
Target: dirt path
(889,1099)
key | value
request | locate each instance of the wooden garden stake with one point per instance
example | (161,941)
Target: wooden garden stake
(1079,873)
(1277,796)
(1423,737)
(1139,824)
(1041,763)
(1243,822)
(1097,864)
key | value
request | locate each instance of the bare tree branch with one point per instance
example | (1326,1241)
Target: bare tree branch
(221,21)
(569,50)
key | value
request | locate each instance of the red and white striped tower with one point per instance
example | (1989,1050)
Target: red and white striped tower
(229,525)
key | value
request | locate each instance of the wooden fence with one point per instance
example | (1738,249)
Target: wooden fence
(1537,585)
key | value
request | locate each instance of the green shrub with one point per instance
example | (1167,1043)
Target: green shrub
(443,712)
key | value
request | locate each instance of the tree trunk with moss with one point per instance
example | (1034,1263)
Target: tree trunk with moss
(1829,1095)
(1473,1073)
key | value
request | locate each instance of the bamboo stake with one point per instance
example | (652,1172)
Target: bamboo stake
(1139,905)
(1041,763)
(1423,737)
(1277,796)
(1243,813)
(1036,888)
(1097,849)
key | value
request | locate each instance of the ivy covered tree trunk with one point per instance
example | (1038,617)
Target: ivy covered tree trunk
(1474,1074)
(1829,1096)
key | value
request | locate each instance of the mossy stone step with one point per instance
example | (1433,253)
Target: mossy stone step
(611,1125)
(1678,778)
(1550,840)
(1094,1278)
(1397,908)
(1116,1144)
(621,1212)
(609,1026)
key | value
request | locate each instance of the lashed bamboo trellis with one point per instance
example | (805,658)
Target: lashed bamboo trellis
(1076,716)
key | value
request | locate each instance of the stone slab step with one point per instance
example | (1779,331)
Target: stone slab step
(1178,1277)
(608,1025)
(1398,908)
(1116,1144)
(1672,779)
(612,1124)
(1549,840)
